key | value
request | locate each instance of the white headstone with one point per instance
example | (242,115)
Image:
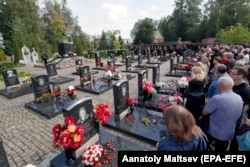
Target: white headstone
(34,56)
(26,55)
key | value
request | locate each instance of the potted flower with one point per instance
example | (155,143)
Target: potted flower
(69,136)
(131,102)
(71,91)
(148,90)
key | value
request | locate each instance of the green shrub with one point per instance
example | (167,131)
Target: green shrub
(6,65)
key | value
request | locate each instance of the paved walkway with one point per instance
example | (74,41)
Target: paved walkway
(27,136)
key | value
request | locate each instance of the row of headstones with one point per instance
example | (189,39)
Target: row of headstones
(184,56)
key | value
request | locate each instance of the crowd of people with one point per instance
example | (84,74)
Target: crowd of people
(216,109)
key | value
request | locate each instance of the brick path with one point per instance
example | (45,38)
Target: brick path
(27,136)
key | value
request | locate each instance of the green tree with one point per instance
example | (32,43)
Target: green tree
(16,51)
(2,55)
(103,41)
(236,33)
(143,31)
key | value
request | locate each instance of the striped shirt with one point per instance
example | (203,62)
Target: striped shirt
(225,109)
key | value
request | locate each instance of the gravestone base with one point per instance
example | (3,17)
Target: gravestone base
(3,157)
(127,76)
(163,59)
(176,73)
(59,80)
(152,104)
(120,144)
(97,88)
(99,68)
(151,133)
(49,109)
(149,62)
(122,115)
(16,91)
(78,72)
(147,66)
(131,60)
(133,70)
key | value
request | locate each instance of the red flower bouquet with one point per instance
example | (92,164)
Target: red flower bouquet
(147,85)
(68,135)
(131,100)
(70,91)
(102,112)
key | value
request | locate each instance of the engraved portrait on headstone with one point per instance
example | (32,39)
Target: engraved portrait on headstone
(83,115)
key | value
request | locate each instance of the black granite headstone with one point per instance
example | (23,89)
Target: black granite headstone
(84,74)
(97,59)
(139,59)
(148,56)
(10,77)
(143,74)
(82,111)
(132,54)
(3,157)
(128,63)
(123,56)
(51,69)
(48,108)
(111,64)
(40,85)
(156,73)
(121,95)
(78,63)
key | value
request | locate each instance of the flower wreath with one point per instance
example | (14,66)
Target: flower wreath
(92,154)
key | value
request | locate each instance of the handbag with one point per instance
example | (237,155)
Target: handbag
(203,122)
(244,141)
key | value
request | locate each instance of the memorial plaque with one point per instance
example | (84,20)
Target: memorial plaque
(97,59)
(51,69)
(78,63)
(156,73)
(10,77)
(143,74)
(128,63)
(121,95)
(82,111)
(40,85)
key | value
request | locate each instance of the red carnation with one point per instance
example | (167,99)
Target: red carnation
(69,119)
(56,129)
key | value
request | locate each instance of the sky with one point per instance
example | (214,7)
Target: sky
(94,16)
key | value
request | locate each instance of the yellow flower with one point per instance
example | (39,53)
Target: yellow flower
(77,138)
(71,128)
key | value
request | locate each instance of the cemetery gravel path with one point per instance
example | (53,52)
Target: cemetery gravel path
(27,135)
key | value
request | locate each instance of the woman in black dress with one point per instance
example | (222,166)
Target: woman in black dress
(195,97)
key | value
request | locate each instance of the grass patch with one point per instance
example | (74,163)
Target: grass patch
(20,74)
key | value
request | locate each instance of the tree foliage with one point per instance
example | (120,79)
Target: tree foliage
(143,31)
(236,33)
